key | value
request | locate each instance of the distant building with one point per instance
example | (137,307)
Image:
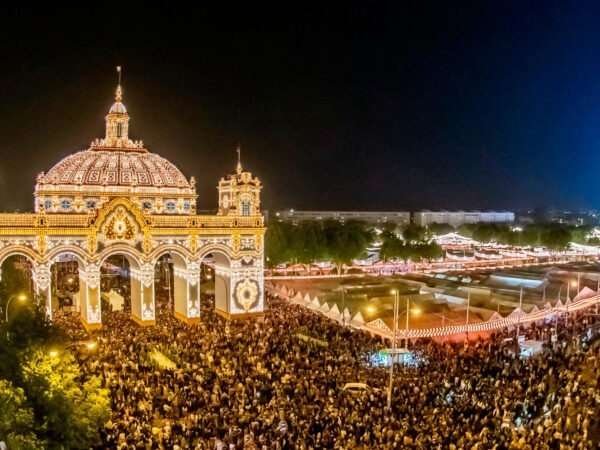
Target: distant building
(458,218)
(373,217)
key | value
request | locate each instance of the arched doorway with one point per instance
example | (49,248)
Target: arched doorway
(216,278)
(115,284)
(17,279)
(172,280)
(119,281)
(64,273)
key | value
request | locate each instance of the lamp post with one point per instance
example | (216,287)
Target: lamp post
(394,292)
(343,306)
(468,310)
(407,316)
(19,297)
(520,312)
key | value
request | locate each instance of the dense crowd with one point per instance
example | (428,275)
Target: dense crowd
(259,385)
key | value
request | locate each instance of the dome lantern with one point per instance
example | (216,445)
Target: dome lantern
(117,120)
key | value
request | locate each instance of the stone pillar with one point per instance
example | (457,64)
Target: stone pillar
(239,290)
(89,296)
(187,292)
(42,282)
(143,309)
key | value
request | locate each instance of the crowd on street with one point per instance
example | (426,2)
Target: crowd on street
(258,385)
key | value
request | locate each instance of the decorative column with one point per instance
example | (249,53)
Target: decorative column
(143,310)
(239,290)
(89,296)
(187,292)
(42,282)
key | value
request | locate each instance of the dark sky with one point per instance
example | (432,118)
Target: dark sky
(470,106)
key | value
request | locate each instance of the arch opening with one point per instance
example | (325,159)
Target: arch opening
(17,278)
(116,284)
(170,283)
(215,268)
(64,273)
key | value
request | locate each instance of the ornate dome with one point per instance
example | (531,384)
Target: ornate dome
(115,168)
(117,108)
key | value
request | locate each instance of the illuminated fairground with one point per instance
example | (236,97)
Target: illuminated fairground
(117,199)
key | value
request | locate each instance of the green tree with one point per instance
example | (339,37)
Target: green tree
(580,234)
(484,232)
(389,227)
(466,230)
(278,241)
(415,233)
(391,246)
(309,243)
(556,238)
(346,242)
(16,419)
(441,228)
(430,251)
(72,411)
(531,235)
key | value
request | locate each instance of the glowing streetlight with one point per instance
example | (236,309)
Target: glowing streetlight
(21,298)
(371,309)
(53,353)
(89,345)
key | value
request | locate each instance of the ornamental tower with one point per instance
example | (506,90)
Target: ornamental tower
(117,120)
(239,193)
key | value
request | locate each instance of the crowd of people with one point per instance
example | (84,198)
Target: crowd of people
(258,385)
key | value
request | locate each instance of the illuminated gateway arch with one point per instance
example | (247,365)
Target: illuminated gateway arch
(117,198)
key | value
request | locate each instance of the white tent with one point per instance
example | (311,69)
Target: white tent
(586,292)
(346,315)
(358,319)
(315,304)
(297,298)
(334,313)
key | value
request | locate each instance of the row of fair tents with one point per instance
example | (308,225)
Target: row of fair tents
(585,299)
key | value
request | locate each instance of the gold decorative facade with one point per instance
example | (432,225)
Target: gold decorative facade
(116,198)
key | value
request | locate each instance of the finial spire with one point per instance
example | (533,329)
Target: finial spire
(239,162)
(119,92)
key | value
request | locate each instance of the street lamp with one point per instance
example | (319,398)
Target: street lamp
(394,292)
(415,311)
(20,298)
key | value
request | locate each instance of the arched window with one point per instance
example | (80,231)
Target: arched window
(245,208)
(47,204)
(119,129)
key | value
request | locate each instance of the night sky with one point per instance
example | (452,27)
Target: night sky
(491,106)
